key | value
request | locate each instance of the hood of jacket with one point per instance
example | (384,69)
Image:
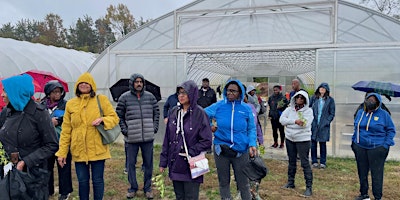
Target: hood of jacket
(324,85)
(250,88)
(132,80)
(378,97)
(86,78)
(241,88)
(293,99)
(191,89)
(51,85)
(19,90)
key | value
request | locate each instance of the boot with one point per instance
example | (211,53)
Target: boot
(308,192)
(282,146)
(288,185)
(274,145)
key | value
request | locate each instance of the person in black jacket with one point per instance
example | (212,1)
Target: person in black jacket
(55,104)
(27,135)
(277,104)
(207,95)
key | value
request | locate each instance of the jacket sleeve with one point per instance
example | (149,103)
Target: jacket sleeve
(156,115)
(284,119)
(121,110)
(204,137)
(165,148)
(211,110)
(110,118)
(390,132)
(48,137)
(65,136)
(331,110)
(251,128)
(214,98)
(166,107)
(309,116)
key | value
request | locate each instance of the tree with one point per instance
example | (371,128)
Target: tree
(83,36)
(105,34)
(7,31)
(27,30)
(121,19)
(52,31)
(388,7)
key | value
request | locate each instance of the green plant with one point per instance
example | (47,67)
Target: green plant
(301,117)
(159,182)
(3,156)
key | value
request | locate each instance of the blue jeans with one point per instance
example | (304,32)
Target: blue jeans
(83,173)
(302,149)
(322,152)
(147,157)
(374,160)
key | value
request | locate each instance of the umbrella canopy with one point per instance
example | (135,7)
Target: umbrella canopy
(383,88)
(40,78)
(122,85)
(2,104)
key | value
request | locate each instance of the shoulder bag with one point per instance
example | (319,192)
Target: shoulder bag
(107,136)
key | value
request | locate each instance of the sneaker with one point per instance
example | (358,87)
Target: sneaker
(308,192)
(125,171)
(63,197)
(282,146)
(322,166)
(288,186)
(149,195)
(274,145)
(130,195)
(315,165)
(363,197)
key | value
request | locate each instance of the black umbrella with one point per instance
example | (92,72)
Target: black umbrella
(122,85)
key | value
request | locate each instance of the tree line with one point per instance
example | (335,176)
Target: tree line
(85,35)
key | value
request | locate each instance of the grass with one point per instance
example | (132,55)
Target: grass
(338,181)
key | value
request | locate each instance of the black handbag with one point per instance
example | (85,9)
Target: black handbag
(255,169)
(107,136)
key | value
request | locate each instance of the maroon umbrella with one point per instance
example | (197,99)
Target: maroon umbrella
(40,78)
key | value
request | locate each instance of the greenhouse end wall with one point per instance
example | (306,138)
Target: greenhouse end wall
(342,68)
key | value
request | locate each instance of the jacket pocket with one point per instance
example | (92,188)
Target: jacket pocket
(180,165)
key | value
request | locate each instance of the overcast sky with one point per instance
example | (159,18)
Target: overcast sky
(70,10)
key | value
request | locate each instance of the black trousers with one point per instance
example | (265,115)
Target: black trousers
(302,149)
(64,175)
(370,160)
(186,190)
(276,125)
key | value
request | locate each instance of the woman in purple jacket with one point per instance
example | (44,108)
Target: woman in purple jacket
(190,119)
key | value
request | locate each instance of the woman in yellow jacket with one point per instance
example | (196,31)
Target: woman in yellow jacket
(79,134)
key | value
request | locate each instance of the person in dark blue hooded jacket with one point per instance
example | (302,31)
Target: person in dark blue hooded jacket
(190,120)
(323,107)
(235,138)
(373,135)
(27,133)
(55,104)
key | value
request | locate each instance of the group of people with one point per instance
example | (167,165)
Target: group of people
(65,131)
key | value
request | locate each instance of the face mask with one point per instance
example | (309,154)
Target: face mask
(370,105)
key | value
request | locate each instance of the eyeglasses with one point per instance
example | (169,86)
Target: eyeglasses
(182,93)
(232,91)
(56,92)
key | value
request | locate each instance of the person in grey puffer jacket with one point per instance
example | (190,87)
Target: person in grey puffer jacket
(139,116)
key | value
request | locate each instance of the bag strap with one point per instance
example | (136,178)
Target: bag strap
(98,104)
(180,127)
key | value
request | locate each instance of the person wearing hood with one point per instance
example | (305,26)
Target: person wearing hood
(55,104)
(188,122)
(27,135)
(253,99)
(323,107)
(373,135)
(297,119)
(139,117)
(235,138)
(171,102)
(80,136)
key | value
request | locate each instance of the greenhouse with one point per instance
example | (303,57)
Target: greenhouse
(17,57)
(316,41)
